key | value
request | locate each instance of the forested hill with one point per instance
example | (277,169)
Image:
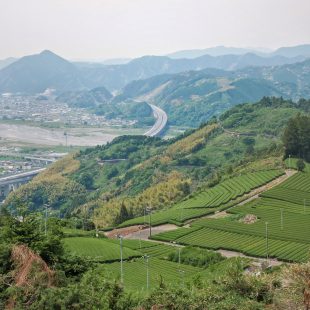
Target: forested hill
(190,98)
(134,171)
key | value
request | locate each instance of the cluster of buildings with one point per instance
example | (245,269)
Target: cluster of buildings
(44,109)
(14,161)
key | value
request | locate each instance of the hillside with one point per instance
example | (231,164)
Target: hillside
(136,171)
(85,99)
(225,183)
(203,94)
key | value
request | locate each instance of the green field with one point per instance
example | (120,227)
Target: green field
(286,210)
(99,250)
(209,201)
(295,190)
(107,252)
(135,272)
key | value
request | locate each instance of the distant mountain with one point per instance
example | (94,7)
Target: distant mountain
(35,73)
(289,52)
(5,62)
(294,51)
(115,77)
(193,97)
(212,51)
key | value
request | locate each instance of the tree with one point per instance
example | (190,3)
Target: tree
(123,215)
(296,137)
(248,141)
(250,150)
(300,165)
(87,180)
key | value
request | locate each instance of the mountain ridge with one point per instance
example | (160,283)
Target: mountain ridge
(35,73)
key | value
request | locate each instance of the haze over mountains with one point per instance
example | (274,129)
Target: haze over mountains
(35,73)
(292,51)
(191,90)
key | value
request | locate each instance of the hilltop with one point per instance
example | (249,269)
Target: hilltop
(36,73)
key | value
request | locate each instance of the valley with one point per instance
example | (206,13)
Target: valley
(155,155)
(187,179)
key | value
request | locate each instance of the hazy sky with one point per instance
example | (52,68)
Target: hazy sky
(99,29)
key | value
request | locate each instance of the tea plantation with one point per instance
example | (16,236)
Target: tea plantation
(279,227)
(210,200)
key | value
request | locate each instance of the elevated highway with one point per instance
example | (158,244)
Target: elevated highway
(160,123)
(12,182)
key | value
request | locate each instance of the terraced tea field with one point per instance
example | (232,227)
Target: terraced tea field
(286,210)
(209,201)
(230,189)
(99,250)
(295,190)
(135,272)
(248,244)
(107,251)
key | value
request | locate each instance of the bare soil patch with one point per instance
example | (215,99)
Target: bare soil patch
(248,219)
(218,215)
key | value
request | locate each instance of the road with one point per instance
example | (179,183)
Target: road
(161,121)
(14,177)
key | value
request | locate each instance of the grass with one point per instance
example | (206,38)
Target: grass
(135,272)
(71,232)
(99,250)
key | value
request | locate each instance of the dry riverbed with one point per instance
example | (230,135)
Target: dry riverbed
(54,137)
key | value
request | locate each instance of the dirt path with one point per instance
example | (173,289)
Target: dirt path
(248,197)
(142,232)
(144,235)
(139,231)
(229,254)
(255,192)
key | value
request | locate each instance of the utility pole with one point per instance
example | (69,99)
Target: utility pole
(182,276)
(179,252)
(150,223)
(45,221)
(120,237)
(146,257)
(267,245)
(181,215)
(144,215)
(140,238)
(289,161)
(281,219)
(66,136)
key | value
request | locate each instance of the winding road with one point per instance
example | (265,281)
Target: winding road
(160,124)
